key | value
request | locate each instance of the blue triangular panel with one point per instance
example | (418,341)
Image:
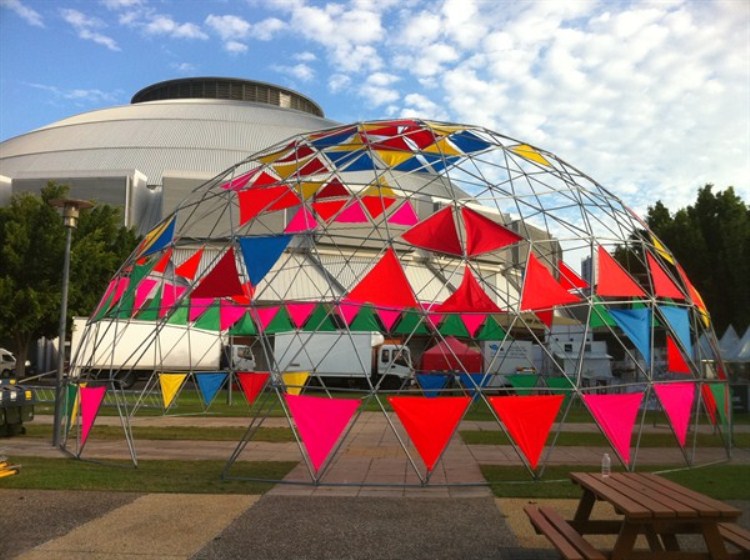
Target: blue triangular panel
(261,253)
(335,139)
(679,321)
(468,142)
(636,323)
(209,384)
(163,240)
(362,163)
(473,380)
(432,383)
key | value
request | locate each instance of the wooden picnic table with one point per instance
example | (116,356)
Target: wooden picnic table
(657,508)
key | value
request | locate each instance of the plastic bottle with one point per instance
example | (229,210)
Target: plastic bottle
(606,465)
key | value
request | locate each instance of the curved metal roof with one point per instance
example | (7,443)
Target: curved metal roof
(202,136)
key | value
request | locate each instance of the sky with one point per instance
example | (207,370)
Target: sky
(649,98)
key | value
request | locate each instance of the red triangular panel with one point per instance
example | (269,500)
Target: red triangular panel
(436,233)
(430,422)
(333,188)
(161,266)
(569,279)
(190,266)
(326,209)
(483,235)
(469,297)
(675,361)
(546,317)
(541,290)
(709,402)
(222,281)
(255,200)
(386,273)
(613,280)
(616,415)
(376,205)
(252,383)
(528,420)
(663,284)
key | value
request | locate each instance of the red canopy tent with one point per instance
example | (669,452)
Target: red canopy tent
(452,354)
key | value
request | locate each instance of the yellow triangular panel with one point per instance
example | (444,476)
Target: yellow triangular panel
(273,156)
(170,384)
(77,401)
(443,129)
(295,381)
(284,170)
(442,146)
(661,249)
(526,151)
(393,158)
(308,188)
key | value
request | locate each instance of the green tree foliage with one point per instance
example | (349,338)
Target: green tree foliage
(711,239)
(32,246)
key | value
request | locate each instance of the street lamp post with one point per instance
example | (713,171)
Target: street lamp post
(71,208)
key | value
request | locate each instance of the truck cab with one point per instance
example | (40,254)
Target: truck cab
(395,359)
(7,363)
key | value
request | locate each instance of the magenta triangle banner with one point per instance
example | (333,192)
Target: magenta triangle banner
(142,291)
(198,306)
(677,400)
(320,422)
(472,321)
(91,400)
(229,314)
(616,415)
(302,221)
(404,216)
(171,293)
(353,214)
(300,312)
(388,316)
(266,315)
(348,311)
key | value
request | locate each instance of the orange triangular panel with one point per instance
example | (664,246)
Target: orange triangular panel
(469,297)
(430,422)
(540,289)
(663,284)
(222,281)
(613,280)
(483,235)
(528,420)
(436,233)
(190,266)
(386,273)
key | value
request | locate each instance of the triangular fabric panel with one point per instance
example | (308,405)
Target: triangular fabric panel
(404,215)
(222,281)
(279,323)
(303,221)
(320,320)
(636,323)
(161,266)
(151,311)
(709,402)
(452,325)
(469,297)
(541,290)
(244,327)
(299,312)
(473,381)
(663,284)
(491,331)
(348,311)
(432,383)
(353,214)
(72,404)
(483,235)
(170,384)
(411,323)
(613,280)
(523,383)
(473,321)
(676,363)
(255,201)
(170,294)
(198,307)
(326,209)
(677,401)
(295,381)
(158,238)
(230,314)
(679,321)
(600,317)
(366,321)
(569,279)
(91,400)
(209,384)
(143,290)
(719,391)
(211,319)
(320,422)
(252,384)
(190,266)
(387,272)
(266,315)
(436,233)
(528,420)
(261,253)
(616,416)
(376,205)
(388,317)
(430,423)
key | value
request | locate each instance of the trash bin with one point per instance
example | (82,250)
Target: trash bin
(16,407)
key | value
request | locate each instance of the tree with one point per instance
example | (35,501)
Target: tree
(711,239)
(32,245)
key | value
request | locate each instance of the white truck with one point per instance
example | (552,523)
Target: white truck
(347,356)
(131,349)
(506,358)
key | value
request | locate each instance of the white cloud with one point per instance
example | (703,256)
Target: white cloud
(266,29)
(338,82)
(418,105)
(235,47)
(305,56)
(165,25)
(84,27)
(122,4)
(184,67)
(91,96)
(378,89)
(229,27)
(299,71)
(29,15)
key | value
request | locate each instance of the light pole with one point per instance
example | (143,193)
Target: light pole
(71,208)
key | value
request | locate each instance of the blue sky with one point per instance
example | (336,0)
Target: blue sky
(651,99)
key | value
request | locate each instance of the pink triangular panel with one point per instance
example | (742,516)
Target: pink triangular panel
(107,292)
(436,233)
(303,221)
(404,216)
(616,415)
(541,290)
(320,422)
(663,284)
(472,321)
(430,422)
(469,297)
(229,314)
(299,312)
(348,311)
(240,181)
(142,291)
(433,319)
(388,316)
(675,361)
(252,383)
(91,400)
(677,400)
(198,306)
(222,280)
(387,272)
(353,214)
(266,315)
(170,294)
(483,235)
(569,279)
(613,280)
(528,420)
(190,266)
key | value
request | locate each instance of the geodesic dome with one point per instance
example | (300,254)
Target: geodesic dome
(338,259)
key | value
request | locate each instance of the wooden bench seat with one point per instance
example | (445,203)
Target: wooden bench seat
(568,542)
(738,536)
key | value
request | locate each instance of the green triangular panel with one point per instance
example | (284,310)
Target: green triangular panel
(105,307)
(600,317)
(280,323)
(491,331)
(453,325)
(179,316)
(124,307)
(365,321)
(559,385)
(719,391)
(411,323)
(70,400)
(210,320)
(523,383)
(320,320)
(151,311)
(244,327)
